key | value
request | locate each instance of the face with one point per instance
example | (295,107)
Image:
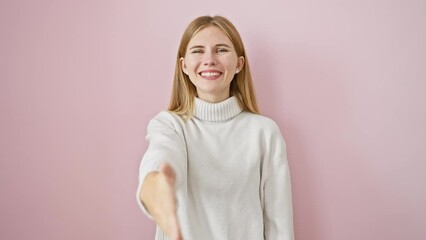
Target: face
(211,62)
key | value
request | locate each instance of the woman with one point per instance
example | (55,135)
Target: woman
(215,168)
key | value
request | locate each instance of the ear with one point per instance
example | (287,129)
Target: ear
(240,63)
(183,65)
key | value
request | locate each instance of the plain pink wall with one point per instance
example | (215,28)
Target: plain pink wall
(80,80)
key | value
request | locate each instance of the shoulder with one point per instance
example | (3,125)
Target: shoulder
(166,116)
(165,119)
(265,126)
(260,121)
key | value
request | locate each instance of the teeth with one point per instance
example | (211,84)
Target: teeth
(209,74)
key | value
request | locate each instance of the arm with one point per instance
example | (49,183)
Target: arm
(161,172)
(278,210)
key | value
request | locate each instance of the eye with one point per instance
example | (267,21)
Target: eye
(197,51)
(222,50)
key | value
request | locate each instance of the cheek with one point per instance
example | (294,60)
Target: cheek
(231,62)
(191,63)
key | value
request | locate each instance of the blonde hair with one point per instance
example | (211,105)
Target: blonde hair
(184,92)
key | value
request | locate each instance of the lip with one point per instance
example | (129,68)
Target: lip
(214,74)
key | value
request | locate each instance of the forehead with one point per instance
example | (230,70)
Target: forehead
(210,35)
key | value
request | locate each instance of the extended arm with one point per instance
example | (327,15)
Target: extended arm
(161,172)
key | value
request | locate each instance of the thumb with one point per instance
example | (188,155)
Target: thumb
(167,170)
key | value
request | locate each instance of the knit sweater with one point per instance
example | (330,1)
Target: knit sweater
(232,174)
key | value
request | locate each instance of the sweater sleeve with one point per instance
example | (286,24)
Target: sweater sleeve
(278,210)
(166,144)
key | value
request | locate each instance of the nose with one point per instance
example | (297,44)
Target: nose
(209,59)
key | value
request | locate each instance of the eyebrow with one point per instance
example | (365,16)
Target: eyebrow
(217,45)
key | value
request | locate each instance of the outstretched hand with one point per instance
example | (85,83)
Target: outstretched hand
(159,197)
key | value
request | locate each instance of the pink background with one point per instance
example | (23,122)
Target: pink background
(80,80)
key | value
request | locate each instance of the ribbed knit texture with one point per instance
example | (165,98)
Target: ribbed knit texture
(216,112)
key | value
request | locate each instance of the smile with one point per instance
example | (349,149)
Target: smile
(211,74)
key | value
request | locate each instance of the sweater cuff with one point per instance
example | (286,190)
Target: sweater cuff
(147,169)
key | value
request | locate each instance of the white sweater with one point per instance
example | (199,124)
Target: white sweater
(232,175)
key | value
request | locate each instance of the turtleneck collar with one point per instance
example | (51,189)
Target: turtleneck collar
(216,112)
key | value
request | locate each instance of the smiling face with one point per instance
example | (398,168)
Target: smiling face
(211,62)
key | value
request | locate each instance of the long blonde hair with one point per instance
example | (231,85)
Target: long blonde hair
(184,92)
